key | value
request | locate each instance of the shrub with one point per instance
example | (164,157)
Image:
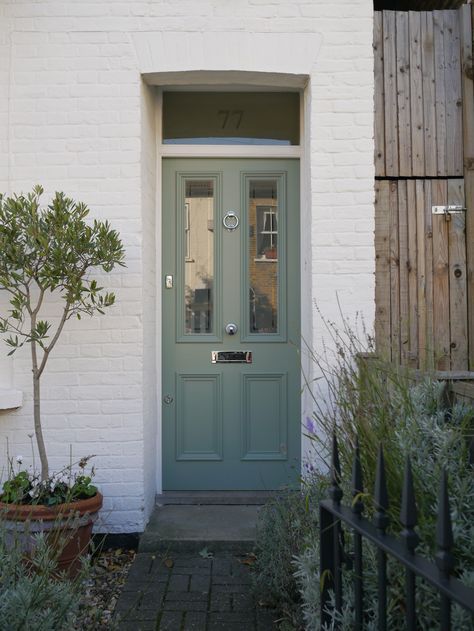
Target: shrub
(33,595)
(380,403)
(286,526)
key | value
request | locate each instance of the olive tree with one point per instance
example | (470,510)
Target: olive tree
(50,250)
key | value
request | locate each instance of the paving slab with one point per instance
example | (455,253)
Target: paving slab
(192,570)
(203,599)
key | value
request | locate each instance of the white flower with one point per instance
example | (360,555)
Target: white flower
(19,459)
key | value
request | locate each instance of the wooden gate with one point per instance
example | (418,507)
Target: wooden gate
(424,157)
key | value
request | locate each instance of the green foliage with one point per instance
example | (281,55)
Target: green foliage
(25,487)
(16,488)
(360,395)
(48,250)
(380,403)
(33,595)
(286,524)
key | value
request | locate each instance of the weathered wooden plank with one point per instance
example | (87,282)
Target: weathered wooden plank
(412,355)
(421,242)
(429,281)
(390,91)
(448,375)
(394,273)
(464,389)
(379,125)
(429,107)
(382,268)
(440,94)
(466,13)
(403,269)
(457,279)
(440,280)
(403,94)
(452,79)
(416,95)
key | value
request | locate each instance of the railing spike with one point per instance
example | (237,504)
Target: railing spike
(335,491)
(444,530)
(381,518)
(357,484)
(408,512)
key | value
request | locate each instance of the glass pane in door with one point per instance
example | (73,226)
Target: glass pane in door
(198,225)
(263,255)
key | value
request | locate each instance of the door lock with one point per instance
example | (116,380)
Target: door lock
(168,399)
(231,328)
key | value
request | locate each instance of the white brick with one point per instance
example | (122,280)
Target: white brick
(74,116)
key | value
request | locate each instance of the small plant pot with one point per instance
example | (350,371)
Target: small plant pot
(68,528)
(271,253)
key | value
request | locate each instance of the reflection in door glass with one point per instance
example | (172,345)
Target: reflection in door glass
(199,255)
(263,255)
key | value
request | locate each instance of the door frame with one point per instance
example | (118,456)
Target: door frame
(237,151)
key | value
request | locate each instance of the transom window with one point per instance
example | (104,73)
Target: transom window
(236,118)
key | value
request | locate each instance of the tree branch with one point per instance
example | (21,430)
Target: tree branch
(14,292)
(49,348)
(40,299)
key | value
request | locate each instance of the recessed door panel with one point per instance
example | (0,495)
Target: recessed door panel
(230,294)
(264,418)
(198,417)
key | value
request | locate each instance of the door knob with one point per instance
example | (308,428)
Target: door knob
(231,328)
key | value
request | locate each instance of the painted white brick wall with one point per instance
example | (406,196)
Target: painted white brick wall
(76,116)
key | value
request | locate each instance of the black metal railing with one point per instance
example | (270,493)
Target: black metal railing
(438,574)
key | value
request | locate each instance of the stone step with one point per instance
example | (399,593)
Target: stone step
(225,498)
(193,528)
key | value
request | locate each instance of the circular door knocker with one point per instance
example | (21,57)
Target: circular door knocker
(231,220)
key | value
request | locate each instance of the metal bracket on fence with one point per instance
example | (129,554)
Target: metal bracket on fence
(447,211)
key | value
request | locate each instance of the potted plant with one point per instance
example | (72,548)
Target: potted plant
(43,251)
(271,253)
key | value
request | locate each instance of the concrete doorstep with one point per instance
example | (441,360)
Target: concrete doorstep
(192,527)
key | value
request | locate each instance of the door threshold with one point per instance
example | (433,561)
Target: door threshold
(223,498)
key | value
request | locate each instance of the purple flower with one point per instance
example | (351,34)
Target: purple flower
(310,425)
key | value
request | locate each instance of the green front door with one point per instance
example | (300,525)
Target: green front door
(231,324)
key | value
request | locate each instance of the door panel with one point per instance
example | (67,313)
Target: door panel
(264,417)
(198,417)
(230,425)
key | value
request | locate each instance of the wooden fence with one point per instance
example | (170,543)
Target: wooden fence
(424,157)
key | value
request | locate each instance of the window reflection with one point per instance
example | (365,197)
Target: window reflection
(199,256)
(263,256)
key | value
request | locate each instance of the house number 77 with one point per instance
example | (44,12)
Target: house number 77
(231,119)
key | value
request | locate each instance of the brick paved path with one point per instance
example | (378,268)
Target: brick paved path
(194,594)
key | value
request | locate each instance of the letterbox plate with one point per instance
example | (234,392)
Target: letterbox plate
(231,357)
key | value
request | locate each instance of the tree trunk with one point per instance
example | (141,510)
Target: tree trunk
(37,415)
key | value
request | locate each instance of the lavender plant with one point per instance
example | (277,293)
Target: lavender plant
(373,400)
(33,595)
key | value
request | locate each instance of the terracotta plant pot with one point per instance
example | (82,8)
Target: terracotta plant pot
(271,253)
(68,527)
